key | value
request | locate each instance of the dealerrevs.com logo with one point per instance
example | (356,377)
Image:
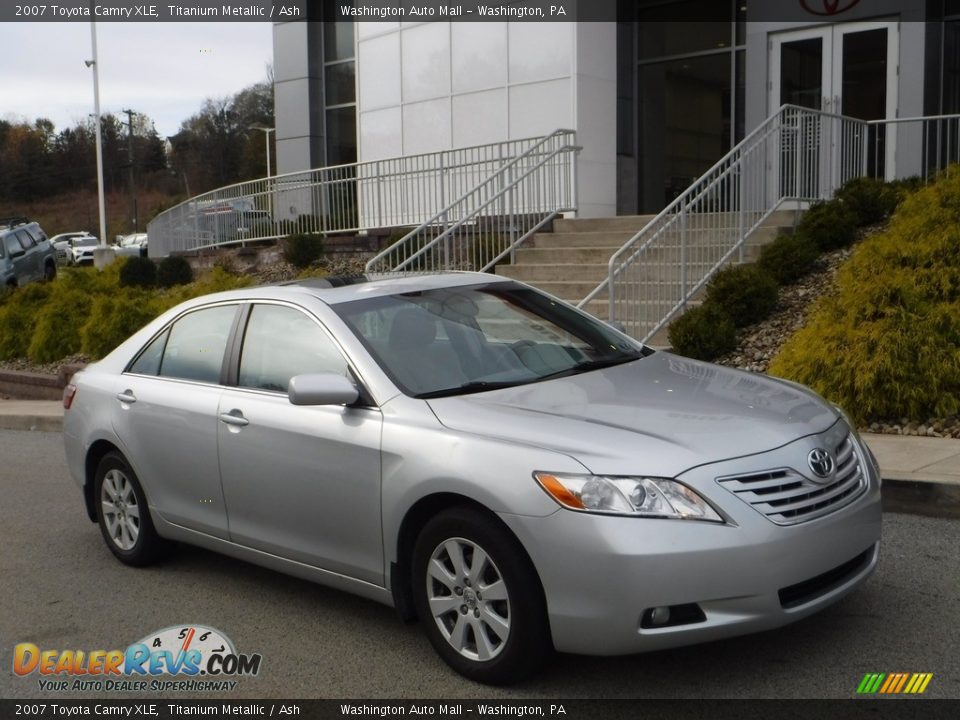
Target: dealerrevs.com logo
(181,657)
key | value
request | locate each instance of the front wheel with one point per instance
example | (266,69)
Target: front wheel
(123,515)
(478,598)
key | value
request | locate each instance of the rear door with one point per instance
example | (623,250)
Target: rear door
(300,482)
(166,418)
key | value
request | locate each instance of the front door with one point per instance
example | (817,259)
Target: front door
(848,69)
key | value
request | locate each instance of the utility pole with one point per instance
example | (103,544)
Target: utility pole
(133,190)
(96,109)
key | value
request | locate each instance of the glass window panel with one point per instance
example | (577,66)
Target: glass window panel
(341,136)
(951,68)
(337,36)
(340,83)
(865,74)
(195,348)
(26,240)
(801,73)
(149,361)
(281,343)
(684,112)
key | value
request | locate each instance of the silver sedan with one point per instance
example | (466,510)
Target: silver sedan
(514,473)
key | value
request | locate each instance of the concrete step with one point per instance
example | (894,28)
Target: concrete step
(608,224)
(563,255)
(611,240)
(535,273)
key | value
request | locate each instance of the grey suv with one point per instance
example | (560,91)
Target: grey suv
(25,253)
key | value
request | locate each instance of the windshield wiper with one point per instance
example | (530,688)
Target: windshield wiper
(588,365)
(474,386)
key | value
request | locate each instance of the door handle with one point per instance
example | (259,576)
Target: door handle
(127,396)
(235,418)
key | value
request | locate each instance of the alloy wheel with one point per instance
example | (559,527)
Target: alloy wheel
(121,512)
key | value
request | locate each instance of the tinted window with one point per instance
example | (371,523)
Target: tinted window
(13,247)
(281,342)
(149,361)
(36,233)
(194,349)
(26,240)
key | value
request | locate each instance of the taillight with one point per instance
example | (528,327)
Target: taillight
(69,393)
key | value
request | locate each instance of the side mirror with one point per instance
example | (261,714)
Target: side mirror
(322,389)
(17,254)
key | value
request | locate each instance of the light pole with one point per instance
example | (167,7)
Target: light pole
(266,137)
(96,110)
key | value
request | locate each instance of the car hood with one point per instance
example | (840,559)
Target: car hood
(660,415)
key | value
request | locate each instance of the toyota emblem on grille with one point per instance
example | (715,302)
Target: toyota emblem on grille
(820,462)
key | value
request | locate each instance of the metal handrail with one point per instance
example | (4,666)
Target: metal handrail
(474,220)
(355,197)
(710,221)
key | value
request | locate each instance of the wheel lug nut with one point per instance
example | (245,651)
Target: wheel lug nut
(458,590)
(463,609)
(467,582)
(476,613)
(479,596)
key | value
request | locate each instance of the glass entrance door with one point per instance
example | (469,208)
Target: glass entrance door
(848,68)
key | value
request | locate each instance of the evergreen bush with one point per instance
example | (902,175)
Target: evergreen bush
(173,271)
(831,225)
(870,199)
(138,272)
(703,333)
(789,257)
(887,343)
(746,293)
(302,251)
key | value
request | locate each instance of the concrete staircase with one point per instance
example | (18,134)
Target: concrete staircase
(571,261)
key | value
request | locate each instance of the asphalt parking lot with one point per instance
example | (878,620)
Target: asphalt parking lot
(60,588)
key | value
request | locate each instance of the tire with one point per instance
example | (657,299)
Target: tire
(49,272)
(123,513)
(496,640)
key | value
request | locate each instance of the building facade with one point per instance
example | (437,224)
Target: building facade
(655,100)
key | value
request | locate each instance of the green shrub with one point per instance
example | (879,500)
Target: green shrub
(746,293)
(887,343)
(703,333)
(871,200)
(56,327)
(115,317)
(174,270)
(302,251)
(789,257)
(17,317)
(830,225)
(138,272)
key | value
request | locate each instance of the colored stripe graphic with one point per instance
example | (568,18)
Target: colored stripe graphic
(894,683)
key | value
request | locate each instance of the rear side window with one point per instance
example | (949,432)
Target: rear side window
(11,244)
(36,233)
(195,345)
(148,363)
(26,240)
(280,343)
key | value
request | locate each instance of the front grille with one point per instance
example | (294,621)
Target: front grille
(786,497)
(808,590)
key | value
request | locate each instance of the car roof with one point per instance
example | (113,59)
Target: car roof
(336,290)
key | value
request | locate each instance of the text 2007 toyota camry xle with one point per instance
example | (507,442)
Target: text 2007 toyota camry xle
(516,474)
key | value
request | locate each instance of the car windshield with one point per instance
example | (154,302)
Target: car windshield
(459,340)
(85,242)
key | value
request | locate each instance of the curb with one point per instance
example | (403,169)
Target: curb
(39,423)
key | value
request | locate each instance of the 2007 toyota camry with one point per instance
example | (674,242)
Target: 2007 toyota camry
(513,472)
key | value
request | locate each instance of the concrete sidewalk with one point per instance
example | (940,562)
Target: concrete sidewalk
(903,458)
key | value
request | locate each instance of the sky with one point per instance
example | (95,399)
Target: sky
(164,70)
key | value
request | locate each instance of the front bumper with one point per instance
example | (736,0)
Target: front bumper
(601,574)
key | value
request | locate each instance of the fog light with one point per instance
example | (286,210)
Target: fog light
(660,616)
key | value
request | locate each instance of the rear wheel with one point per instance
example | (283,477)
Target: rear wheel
(478,598)
(123,514)
(49,271)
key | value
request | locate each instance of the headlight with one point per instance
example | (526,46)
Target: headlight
(638,496)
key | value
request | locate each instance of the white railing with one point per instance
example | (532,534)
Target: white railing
(392,193)
(798,155)
(493,218)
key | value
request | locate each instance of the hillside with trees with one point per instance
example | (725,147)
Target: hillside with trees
(50,175)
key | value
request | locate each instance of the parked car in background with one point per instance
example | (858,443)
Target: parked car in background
(517,474)
(81,250)
(61,243)
(26,254)
(134,245)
